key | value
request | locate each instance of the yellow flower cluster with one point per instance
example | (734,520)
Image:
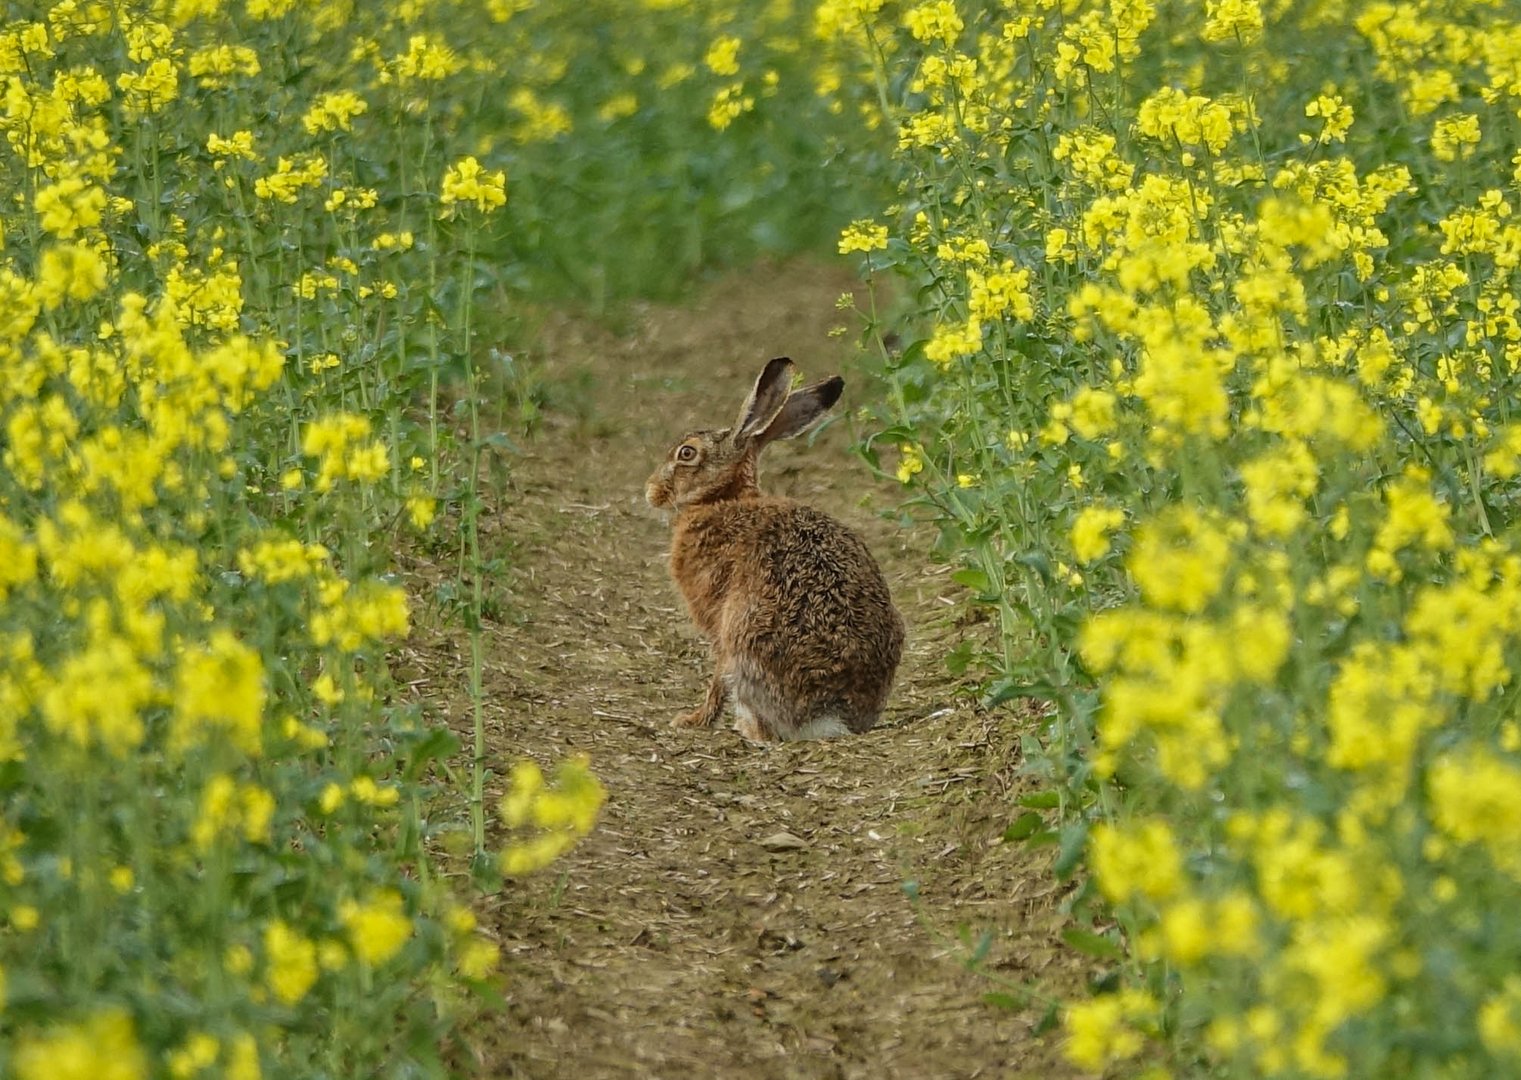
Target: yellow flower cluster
(555,815)
(1251,322)
(468,182)
(1091,531)
(214,343)
(219,693)
(345,450)
(729,103)
(105,1046)
(333,112)
(863,236)
(428,58)
(291,177)
(378,929)
(723,56)
(350,618)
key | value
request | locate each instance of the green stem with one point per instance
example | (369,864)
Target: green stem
(473,541)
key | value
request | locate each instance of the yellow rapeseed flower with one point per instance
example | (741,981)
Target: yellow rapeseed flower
(1476,798)
(910,462)
(863,236)
(936,21)
(1091,529)
(99,697)
(722,58)
(1104,1030)
(467,182)
(219,692)
(69,272)
(428,59)
(378,929)
(1140,858)
(1500,1020)
(333,111)
(215,66)
(729,103)
(102,1047)
(1232,20)
(1455,136)
(1180,559)
(290,962)
(199,1051)
(68,206)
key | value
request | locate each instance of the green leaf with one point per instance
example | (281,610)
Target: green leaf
(1000,1000)
(1011,687)
(488,994)
(960,658)
(1022,826)
(1041,800)
(1074,843)
(438,743)
(982,948)
(499,440)
(1005,689)
(972,578)
(1086,941)
(1037,562)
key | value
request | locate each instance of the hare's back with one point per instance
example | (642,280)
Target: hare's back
(815,579)
(808,624)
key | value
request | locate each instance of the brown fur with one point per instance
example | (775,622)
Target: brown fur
(803,629)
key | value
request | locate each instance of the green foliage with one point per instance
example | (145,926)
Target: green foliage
(235,278)
(1209,382)
(1207,378)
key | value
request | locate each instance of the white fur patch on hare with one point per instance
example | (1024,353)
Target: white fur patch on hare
(747,725)
(824,727)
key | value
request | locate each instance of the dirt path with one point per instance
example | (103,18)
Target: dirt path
(682,938)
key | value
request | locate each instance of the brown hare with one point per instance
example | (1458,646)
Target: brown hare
(805,636)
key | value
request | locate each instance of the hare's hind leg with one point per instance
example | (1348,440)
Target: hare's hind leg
(761,713)
(712,706)
(750,726)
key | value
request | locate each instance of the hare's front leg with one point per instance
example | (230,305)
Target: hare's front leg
(711,708)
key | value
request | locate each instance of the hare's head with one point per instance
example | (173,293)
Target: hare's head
(710,466)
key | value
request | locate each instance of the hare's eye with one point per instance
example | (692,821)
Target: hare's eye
(686,453)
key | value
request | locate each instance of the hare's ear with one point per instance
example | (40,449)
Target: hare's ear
(803,409)
(765,401)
